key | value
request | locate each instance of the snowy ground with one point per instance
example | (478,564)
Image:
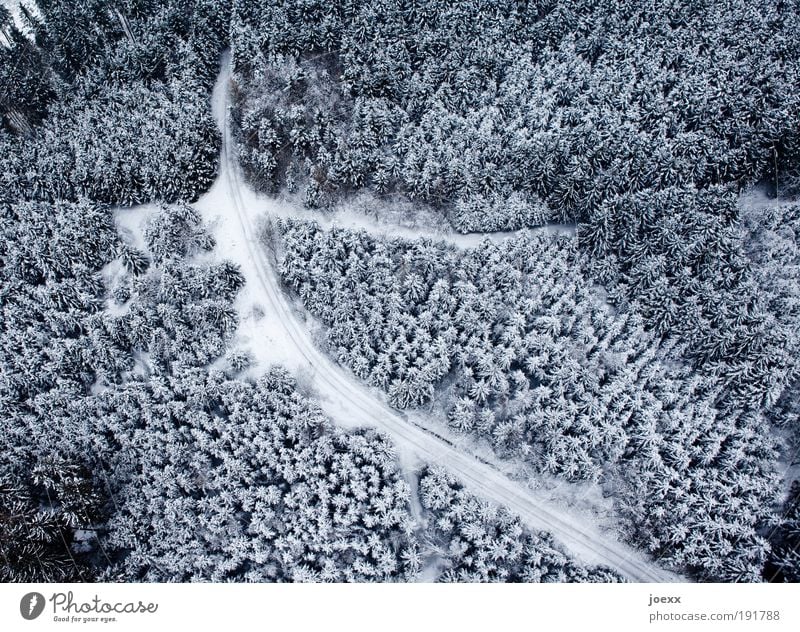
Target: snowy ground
(13,8)
(756,198)
(357,215)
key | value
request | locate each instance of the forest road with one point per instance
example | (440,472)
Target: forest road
(347,401)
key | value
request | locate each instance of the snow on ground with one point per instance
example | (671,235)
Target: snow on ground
(756,199)
(260,330)
(356,215)
(13,7)
(131,222)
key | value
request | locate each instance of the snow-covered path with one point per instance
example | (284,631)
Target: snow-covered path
(278,333)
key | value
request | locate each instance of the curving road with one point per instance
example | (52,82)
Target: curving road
(347,401)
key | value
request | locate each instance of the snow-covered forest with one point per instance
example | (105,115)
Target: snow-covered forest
(203,377)
(544,369)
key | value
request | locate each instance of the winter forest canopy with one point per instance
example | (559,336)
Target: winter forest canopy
(649,351)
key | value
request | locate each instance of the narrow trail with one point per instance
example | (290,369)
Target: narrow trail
(281,335)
